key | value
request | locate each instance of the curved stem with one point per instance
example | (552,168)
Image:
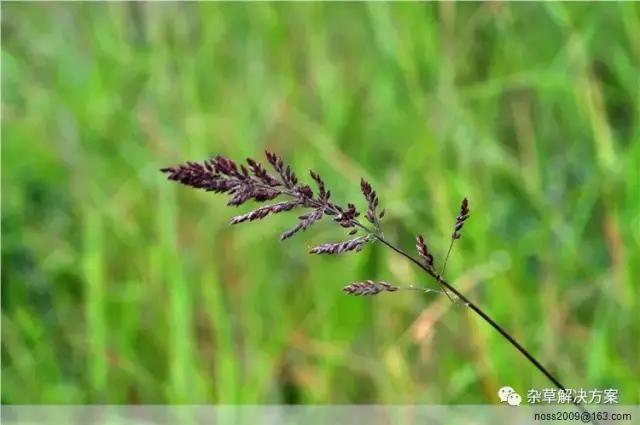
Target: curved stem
(480,313)
(444,266)
(448,287)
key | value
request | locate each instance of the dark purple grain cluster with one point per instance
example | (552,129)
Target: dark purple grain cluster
(262,212)
(261,173)
(288,177)
(306,220)
(254,182)
(347,217)
(462,217)
(339,247)
(372,203)
(323,193)
(423,252)
(222,175)
(369,287)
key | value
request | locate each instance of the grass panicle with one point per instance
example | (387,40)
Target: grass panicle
(369,287)
(355,244)
(253,182)
(463,215)
(423,251)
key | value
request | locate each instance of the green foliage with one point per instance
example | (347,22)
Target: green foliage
(121,287)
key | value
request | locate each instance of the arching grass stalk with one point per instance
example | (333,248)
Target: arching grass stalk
(253,182)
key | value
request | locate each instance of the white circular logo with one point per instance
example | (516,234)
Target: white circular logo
(504,393)
(510,396)
(514,399)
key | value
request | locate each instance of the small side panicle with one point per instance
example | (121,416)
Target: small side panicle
(423,252)
(371,196)
(462,217)
(339,247)
(369,287)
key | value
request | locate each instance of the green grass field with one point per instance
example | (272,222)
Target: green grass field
(120,287)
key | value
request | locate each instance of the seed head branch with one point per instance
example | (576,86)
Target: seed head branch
(370,287)
(254,182)
(427,260)
(463,215)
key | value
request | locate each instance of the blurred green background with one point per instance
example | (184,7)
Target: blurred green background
(121,287)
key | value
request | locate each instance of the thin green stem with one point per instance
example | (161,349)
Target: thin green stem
(420,288)
(444,265)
